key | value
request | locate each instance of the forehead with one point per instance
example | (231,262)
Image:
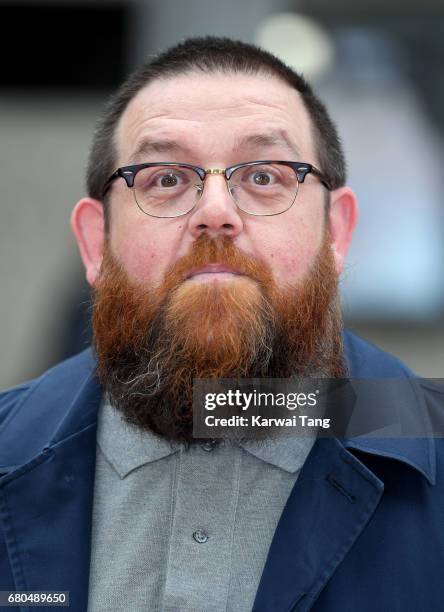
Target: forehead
(210,114)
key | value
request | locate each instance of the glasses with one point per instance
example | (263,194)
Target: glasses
(259,188)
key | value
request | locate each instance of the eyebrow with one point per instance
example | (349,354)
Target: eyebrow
(270,139)
(148,147)
(266,140)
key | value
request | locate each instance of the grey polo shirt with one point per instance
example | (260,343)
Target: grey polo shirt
(178,529)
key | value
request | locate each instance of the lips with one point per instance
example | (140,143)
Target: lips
(213,269)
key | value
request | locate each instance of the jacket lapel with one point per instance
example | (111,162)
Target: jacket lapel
(332,501)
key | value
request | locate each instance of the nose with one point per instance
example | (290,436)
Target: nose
(215,213)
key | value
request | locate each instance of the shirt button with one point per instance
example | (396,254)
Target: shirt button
(200,536)
(209,446)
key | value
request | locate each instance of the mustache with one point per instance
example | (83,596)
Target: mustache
(221,250)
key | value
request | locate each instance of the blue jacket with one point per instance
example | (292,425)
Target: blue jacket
(362,531)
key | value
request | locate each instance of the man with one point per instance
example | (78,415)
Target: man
(215,228)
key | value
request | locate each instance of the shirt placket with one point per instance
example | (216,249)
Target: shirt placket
(199,560)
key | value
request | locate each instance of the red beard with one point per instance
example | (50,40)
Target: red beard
(151,343)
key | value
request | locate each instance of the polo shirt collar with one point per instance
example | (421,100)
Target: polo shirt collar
(126,447)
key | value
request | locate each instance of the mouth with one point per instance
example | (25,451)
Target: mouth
(213,272)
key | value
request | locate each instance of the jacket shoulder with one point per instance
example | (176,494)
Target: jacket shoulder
(61,381)
(9,398)
(366,360)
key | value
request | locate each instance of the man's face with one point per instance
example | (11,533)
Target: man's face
(216,121)
(266,306)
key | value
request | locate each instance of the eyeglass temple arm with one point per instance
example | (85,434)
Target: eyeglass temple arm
(127,174)
(321,177)
(111,179)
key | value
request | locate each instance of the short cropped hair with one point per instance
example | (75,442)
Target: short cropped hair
(211,55)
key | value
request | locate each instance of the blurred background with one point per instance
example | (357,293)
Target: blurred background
(379,69)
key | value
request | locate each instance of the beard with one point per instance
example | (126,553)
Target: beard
(152,342)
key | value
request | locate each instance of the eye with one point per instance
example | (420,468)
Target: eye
(168,180)
(262,178)
(155,181)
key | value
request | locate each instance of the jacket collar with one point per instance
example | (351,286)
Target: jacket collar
(407,436)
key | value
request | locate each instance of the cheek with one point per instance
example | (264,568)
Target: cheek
(291,263)
(141,262)
(146,247)
(144,256)
(291,254)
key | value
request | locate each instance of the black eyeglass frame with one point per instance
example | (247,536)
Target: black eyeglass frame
(301,169)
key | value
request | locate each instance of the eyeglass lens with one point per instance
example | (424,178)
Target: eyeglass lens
(170,191)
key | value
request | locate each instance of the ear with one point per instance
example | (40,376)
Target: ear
(88,225)
(343,216)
